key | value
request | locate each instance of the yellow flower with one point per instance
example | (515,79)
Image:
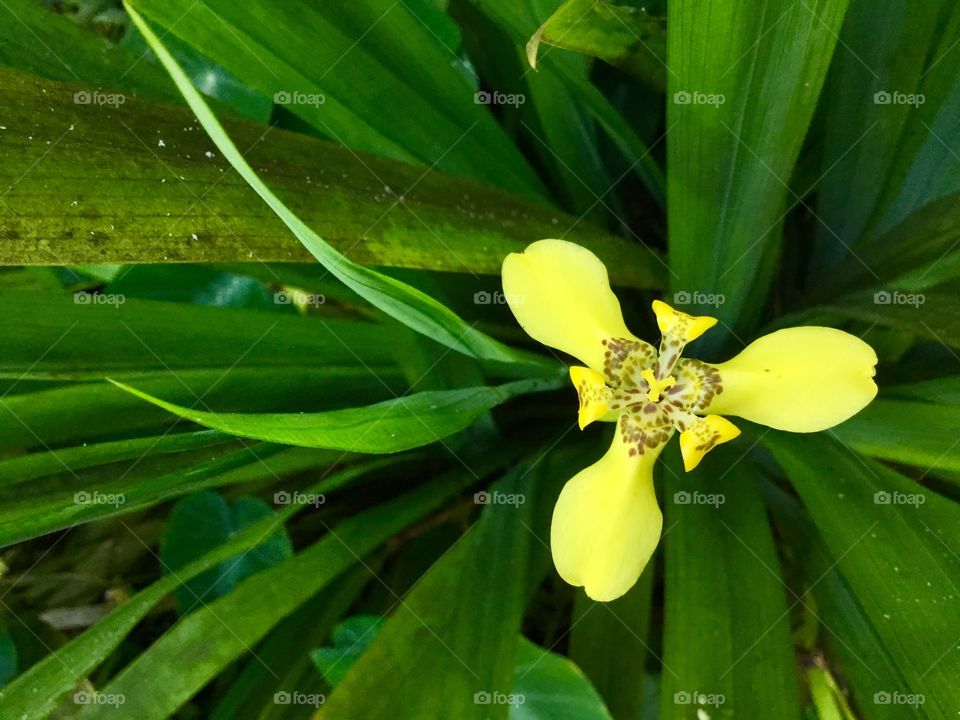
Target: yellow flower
(607,523)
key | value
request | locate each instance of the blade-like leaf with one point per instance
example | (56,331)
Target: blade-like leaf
(399,300)
(914,433)
(391,426)
(743,81)
(727,648)
(67,200)
(435,660)
(312,57)
(895,542)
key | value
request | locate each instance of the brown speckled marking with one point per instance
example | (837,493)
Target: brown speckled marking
(645,425)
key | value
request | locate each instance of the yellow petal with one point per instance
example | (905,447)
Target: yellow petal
(560,294)
(686,328)
(607,523)
(594,395)
(703,436)
(801,379)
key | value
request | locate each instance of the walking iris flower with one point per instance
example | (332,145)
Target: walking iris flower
(607,523)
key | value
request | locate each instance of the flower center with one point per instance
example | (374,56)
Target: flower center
(656,385)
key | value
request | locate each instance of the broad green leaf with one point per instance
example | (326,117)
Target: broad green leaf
(197,524)
(350,639)
(391,426)
(201,645)
(622,35)
(914,433)
(444,659)
(35,693)
(727,648)
(548,686)
(311,58)
(743,81)
(177,201)
(894,542)
(610,642)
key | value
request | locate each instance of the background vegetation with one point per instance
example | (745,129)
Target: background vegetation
(367,538)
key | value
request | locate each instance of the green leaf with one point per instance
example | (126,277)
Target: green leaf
(622,35)
(24,468)
(48,44)
(890,140)
(265,45)
(179,203)
(837,616)
(399,300)
(64,500)
(35,693)
(610,643)
(914,433)
(62,337)
(519,24)
(743,82)
(9,659)
(201,522)
(391,426)
(550,687)
(727,648)
(442,659)
(894,542)
(350,639)
(201,645)
(920,252)
(933,314)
